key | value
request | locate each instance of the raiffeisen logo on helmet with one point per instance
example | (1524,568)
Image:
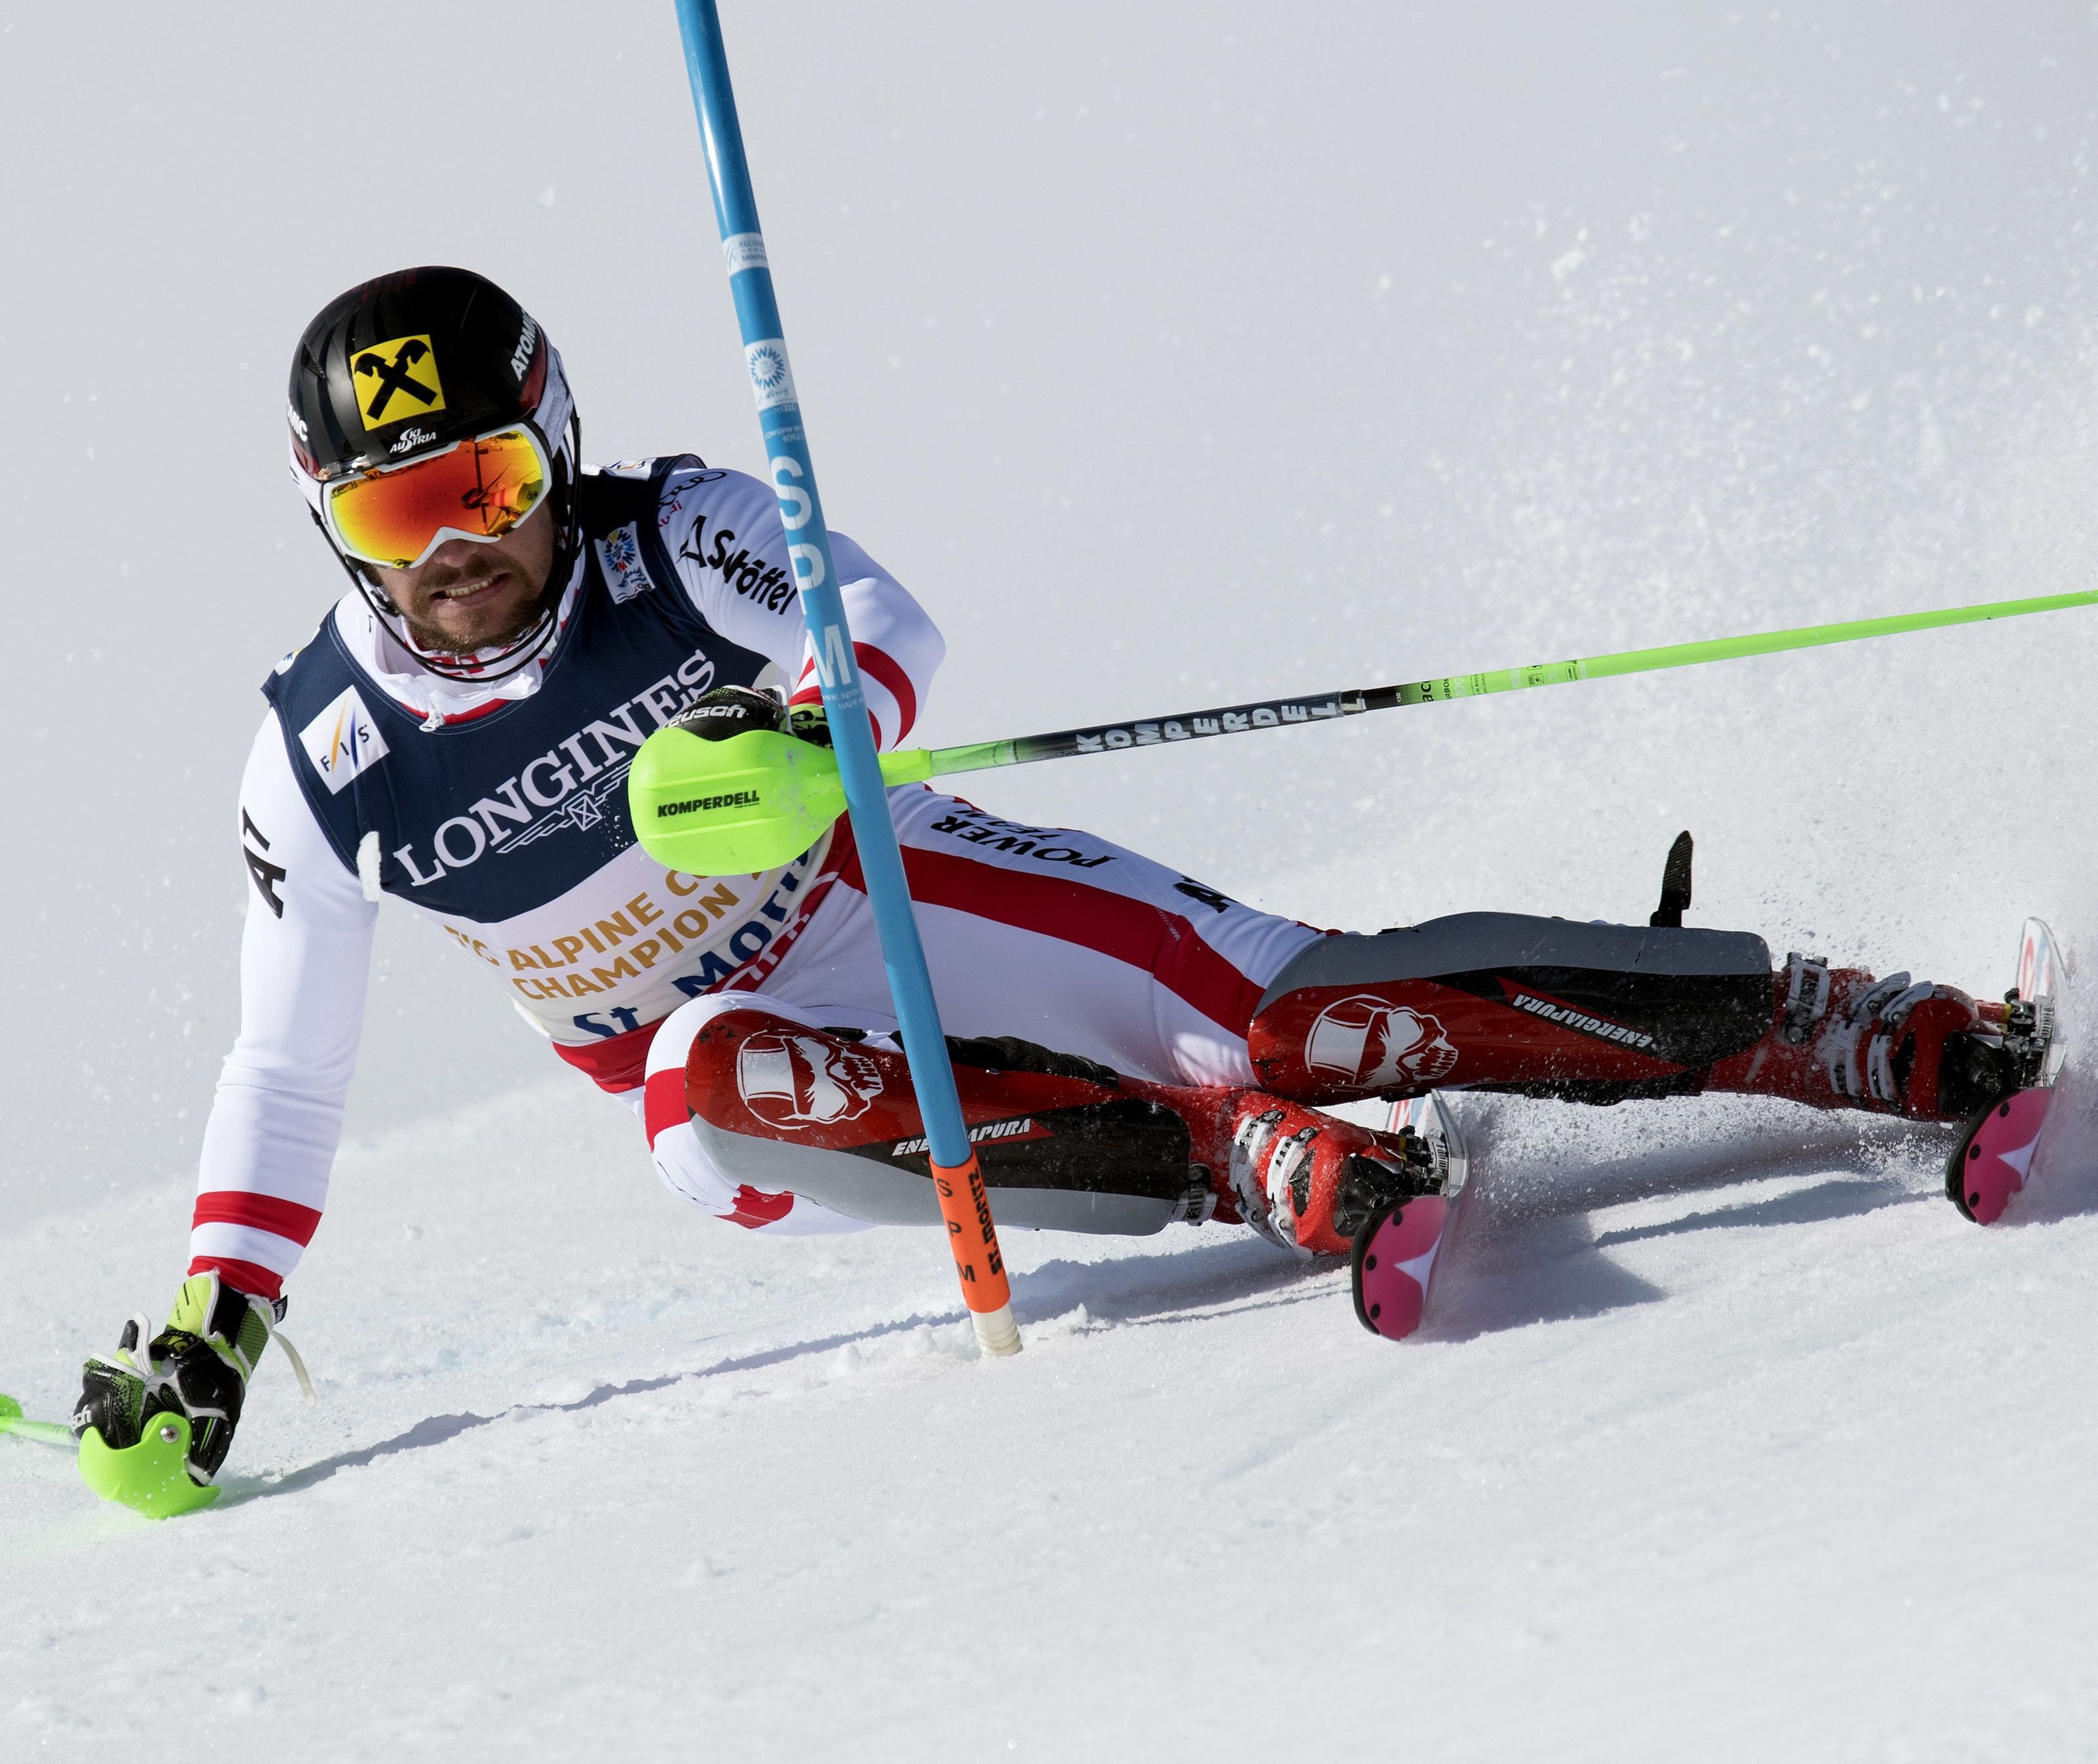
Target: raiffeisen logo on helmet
(396,380)
(576,784)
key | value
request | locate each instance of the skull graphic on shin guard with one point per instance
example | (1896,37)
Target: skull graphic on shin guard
(1367,1042)
(788,1079)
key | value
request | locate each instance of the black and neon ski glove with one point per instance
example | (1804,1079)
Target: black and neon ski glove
(735,710)
(198,1366)
(810,722)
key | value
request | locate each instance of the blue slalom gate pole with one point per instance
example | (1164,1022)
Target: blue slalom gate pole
(963,1204)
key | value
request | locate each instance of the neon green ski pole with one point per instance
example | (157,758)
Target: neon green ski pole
(49,1433)
(1236,719)
(716,807)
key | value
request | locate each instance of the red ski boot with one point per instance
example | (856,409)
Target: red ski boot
(1844,1040)
(1309,1181)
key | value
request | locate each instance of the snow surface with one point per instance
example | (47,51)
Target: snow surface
(1173,356)
(1728,1438)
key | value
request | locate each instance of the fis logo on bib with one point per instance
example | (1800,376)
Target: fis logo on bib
(343,741)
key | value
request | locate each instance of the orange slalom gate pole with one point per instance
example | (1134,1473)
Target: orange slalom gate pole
(965,1207)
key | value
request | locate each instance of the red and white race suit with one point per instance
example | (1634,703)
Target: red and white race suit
(499,812)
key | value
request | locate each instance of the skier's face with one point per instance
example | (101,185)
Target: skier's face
(470,595)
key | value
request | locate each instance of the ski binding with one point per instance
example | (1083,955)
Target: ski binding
(1989,1168)
(1393,1263)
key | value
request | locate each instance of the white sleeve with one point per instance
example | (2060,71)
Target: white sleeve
(723,529)
(305,957)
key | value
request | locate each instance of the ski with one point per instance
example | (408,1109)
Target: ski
(1392,1268)
(1989,1166)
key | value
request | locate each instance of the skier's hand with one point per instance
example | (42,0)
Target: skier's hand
(810,723)
(730,710)
(197,1366)
(735,710)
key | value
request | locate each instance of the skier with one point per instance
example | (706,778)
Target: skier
(1132,1046)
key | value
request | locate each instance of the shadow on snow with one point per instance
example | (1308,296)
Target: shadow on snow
(1216,1279)
(1523,1250)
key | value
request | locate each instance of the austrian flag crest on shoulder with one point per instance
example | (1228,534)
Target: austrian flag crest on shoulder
(343,741)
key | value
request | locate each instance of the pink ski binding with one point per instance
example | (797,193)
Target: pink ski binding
(1395,1250)
(1994,1160)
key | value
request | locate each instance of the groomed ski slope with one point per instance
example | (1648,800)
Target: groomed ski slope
(1728,1438)
(1174,357)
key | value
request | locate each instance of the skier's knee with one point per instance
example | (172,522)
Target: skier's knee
(672,1044)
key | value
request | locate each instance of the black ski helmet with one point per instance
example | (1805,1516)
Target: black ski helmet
(410,364)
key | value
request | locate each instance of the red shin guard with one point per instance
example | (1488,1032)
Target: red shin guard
(1041,1120)
(1601,1014)
(1046,1120)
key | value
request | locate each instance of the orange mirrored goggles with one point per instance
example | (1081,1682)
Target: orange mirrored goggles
(477,489)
